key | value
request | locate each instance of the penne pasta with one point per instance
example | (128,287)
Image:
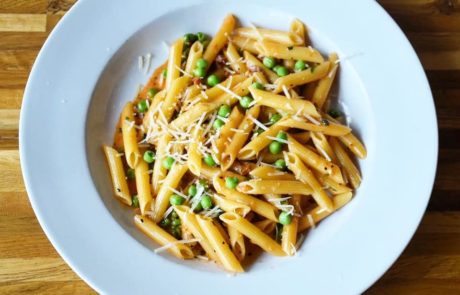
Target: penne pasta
(256,65)
(245,44)
(303,77)
(324,84)
(331,129)
(297,29)
(226,256)
(289,237)
(317,214)
(282,51)
(266,225)
(352,172)
(235,60)
(253,233)
(268,172)
(159,171)
(220,39)
(143,186)
(258,34)
(227,131)
(280,187)
(260,207)
(231,206)
(195,53)
(194,155)
(171,182)
(120,186)
(159,235)
(131,148)
(322,145)
(237,243)
(174,63)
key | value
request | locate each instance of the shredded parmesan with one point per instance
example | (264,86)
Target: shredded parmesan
(286,92)
(313,120)
(148,62)
(202,257)
(167,212)
(233,94)
(277,139)
(311,221)
(323,152)
(140,62)
(257,122)
(178,193)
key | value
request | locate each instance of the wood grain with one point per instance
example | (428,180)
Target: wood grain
(429,265)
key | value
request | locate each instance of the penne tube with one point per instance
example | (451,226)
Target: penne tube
(279,187)
(237,243)
(266,225)
(235,60)
(226,256)
(352,171)
(305,175)
(280,102)
(226,132)
(333,186)
(239,138)
(269,172)
(268,157)
(195,53)
(191,97)
(245,44)
(144,193)
(317,214)
(120,186)
(322,145)
(174,62)
(252,149)
(324,84)
(188,220)
(194,154)
(162,237)
(257,66)
(332,129)
(351,142)
(289,237)
(159,172)
(231,206)
(220,39)
(314,160)
(281,37)
(260,77)
(169,104)
(258,206)
(128,131)
(302,137)
(282,51)
(171,182)
(302,77)
(151,114)
(253,233)
(297,29)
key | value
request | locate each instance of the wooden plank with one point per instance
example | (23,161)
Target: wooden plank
(428,41)
(15,204)
(9,119)
(440,60)
(448,165)
(11,98)
(420,7)
(428,23)
(22,22)
(27,232)
(25,40)
(15,66)
(9,140)
(60,6)
(10,172)
(444,79)
(447,108)
(416,286)
(36,270)
(62,288)
(23,6)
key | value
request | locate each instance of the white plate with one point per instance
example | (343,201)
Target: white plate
(88,69)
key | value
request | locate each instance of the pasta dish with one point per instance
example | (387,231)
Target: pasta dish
(232,145)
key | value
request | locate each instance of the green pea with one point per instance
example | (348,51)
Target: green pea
(198,208)
(275,118)
(246,101)
(152,92)
(269,62)
(130,173)
(135,201)
(300,65)
(275,147)
(208,159)
(165,222)
(174,215)
(276,67)
(201,63)
(282,71)
(192,190)
(142,106)
(231,182)
(206,202)
(282,135)
(213,80)
(149,157)
(280,164)
(199,72)
(175,222)
(176,232)
(258,85)
(201,36)
(190,38)
(259,131)
(285,218)
(165,73)
(168,162)
(176,200)
(334,113)
(224,110)
(218,123)
(205,43)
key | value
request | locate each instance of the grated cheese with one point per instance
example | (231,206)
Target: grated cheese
(313,120)
(140,62)
(286,92)
(277,139)
(183,72)
(170,245)
(311,221)
(178,193)
(323,152)
(148,62)
(257,122)
(233,94)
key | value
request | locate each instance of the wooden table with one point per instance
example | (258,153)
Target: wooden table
(429,265)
